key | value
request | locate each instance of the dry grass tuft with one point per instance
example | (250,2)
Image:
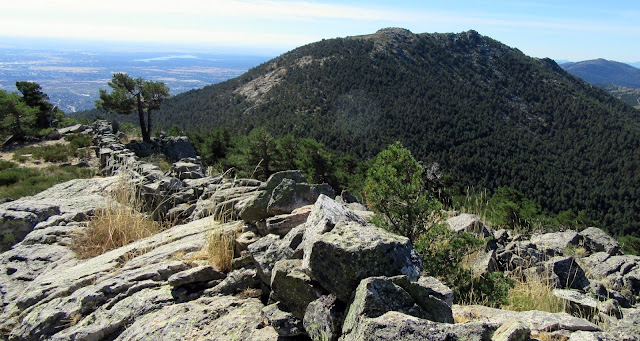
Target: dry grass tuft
(114,226)
(534,294)
(220,248)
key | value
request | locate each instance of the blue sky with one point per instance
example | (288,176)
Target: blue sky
(573,30)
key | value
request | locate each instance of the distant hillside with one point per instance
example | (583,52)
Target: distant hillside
(628,95)
(490,115)
(601,71)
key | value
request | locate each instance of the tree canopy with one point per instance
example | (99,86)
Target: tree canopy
(130,95)
(396,188)
(34,97)
(16,117)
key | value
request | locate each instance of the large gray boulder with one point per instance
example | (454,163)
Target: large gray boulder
(70,201)
(513,330)
(187,170)
(41,306)
(282,193)
(176,147)
(212,318)
(323,318)
(554,244)
(283,321)
(256,208)
(268,250)
(596,240)
(577,303)
(469,223)
(282,224)
(236,282)
(538,321)
(289,195)
(594,336)
(627,328)
(377,295)
(292,287)
(350,252)
(397,326)
(325,215)
(570,274)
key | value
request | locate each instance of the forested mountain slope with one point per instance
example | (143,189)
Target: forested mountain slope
(490,115)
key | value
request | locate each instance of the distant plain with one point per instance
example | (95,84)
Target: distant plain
(72,77)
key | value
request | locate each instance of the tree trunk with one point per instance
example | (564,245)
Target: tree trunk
(149,122)
(143,127)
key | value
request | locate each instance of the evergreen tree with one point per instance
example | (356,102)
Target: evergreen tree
(35,98)
(396,189)
(16,116)
(130,95)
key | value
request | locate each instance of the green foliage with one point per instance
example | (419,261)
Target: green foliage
(509,208)
(630,245)
(35,98)
(491,289)
(16,117)
(175,130)
(79,140)
(51,153)
(17,182)
(130,95)
(396,189)
(67,121)
(10,176)
(314,160)
(444,251)
(7,164)
(212,146)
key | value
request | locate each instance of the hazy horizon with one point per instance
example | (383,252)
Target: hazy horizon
(569,30)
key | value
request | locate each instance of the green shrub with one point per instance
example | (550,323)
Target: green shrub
(79,140)
(630,245)
(443,252)
(34,180)
(10,176)
(7,165)
(396,189)
(491,289)
(54,153)
(50,153)
(67,122)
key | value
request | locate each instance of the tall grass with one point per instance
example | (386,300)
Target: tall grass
(120,223)
(536,293)
(220,248)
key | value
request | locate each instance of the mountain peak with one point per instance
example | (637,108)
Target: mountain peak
(394,31)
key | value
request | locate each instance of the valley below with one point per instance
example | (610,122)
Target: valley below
(72,78)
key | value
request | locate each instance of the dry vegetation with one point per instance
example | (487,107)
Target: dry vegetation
(114,226)
(220,247)
(534,294)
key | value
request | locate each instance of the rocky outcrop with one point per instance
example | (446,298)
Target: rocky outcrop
(596,240)
(282,193)
(342,257)
(305,265)
(63,204)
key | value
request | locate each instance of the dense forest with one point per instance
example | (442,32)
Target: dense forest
(486,113)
